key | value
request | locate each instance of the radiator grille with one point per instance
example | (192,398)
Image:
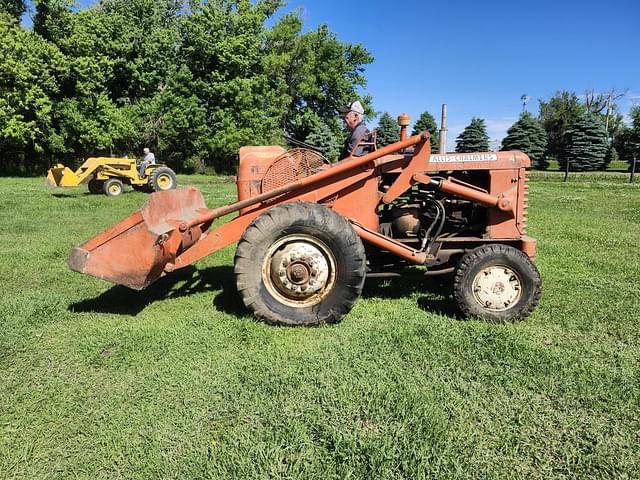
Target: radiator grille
(291,166)
(525,203)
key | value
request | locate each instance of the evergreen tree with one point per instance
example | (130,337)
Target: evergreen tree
(584,145)
(388,130)
(324,140)
(473,138)
(428,123)
(528,136)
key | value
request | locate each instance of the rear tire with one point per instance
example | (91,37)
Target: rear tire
(113,187)
(163,179)
(95,186)
(300,264)
(497,283)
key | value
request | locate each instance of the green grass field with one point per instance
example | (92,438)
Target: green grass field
(101,382)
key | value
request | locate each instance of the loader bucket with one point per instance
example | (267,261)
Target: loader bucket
(56,174)
(135,251)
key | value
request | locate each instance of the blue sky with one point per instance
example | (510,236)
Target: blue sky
(479,57)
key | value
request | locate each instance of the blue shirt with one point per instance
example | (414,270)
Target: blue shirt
(359,134)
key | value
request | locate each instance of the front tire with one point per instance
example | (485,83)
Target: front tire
(300,264)
(497,283)
(113,187)
(163,179)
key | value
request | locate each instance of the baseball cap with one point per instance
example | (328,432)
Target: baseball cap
(352,107)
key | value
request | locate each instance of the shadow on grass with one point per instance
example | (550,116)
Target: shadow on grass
(434,295)
(70,194)
(124,301)
(440,306)
(79,194)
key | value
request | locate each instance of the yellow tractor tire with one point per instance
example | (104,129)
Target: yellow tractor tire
(113,187)
(163,179)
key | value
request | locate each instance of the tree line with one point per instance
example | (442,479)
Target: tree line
(585,135)
(193,80)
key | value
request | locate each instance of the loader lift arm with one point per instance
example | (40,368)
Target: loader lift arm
(172,231)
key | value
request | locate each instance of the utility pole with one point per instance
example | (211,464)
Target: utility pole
(443,130)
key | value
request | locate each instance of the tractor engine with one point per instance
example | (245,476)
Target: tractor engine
(426,215)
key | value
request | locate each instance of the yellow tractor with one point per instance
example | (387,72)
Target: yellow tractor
(109,175)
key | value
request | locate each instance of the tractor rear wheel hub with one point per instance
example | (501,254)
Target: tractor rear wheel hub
(300,270)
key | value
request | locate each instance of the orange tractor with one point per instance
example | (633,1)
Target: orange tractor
(309,232)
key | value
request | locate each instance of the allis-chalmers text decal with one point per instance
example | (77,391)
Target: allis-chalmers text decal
(464,157)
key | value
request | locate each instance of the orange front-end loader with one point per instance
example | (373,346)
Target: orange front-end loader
(309,232)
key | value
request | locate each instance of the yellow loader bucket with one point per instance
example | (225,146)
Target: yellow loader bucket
(61,176)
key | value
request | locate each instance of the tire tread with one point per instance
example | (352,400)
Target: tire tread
(471,259)
(305,216)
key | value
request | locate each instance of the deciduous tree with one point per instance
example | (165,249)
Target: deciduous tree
(632,139)
(556,115)
(32,72)
(313,74)
(53,20)
(13,8)
(194,83)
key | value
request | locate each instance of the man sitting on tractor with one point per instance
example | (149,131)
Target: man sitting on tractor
(352,116)
(149,159)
